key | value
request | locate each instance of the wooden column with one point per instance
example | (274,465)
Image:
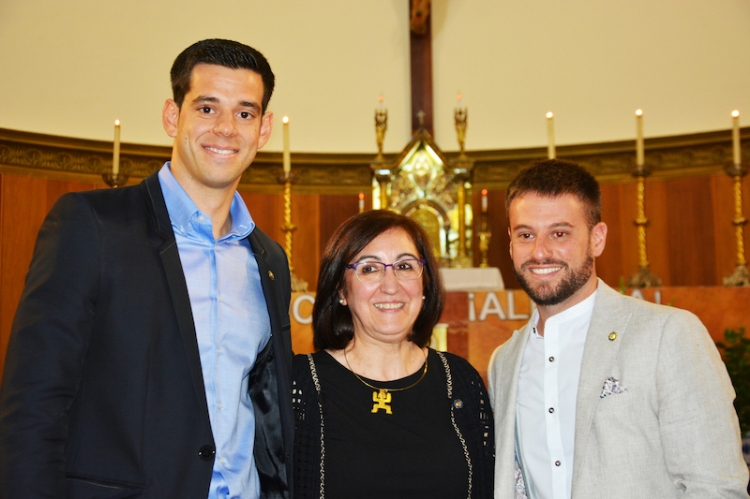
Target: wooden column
(421,78)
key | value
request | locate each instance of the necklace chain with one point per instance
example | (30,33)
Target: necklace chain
(386,390)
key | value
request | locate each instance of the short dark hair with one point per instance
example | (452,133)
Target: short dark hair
(227,53)
(554,177)
(332,322)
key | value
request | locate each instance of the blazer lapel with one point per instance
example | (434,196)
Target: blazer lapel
(506,374)
(170,258)
(599,356)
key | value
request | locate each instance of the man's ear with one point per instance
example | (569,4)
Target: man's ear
(598,238)
(170,115)
(510,244)
(266,125)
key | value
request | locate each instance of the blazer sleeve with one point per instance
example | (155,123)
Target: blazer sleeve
(697,421)
(46,350)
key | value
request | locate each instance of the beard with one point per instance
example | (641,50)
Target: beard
(549,293)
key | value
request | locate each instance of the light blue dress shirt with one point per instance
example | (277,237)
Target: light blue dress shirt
(232,327)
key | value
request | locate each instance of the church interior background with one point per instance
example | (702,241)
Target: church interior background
(462,98)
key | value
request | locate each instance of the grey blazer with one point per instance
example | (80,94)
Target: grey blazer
(665,427)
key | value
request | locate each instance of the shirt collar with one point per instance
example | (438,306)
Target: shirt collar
(586,307)
(186,216)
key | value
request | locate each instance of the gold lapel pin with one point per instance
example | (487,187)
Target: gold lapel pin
(612,336)
(270,274)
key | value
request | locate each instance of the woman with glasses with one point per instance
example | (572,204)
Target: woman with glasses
(378,413)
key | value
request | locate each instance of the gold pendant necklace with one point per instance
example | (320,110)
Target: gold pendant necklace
(382,396)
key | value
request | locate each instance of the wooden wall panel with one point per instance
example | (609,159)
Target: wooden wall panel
(658,242)
(335,210)
(609,265)
(500,242)
(692,255)
(267,211)
(22,210)
(306,240)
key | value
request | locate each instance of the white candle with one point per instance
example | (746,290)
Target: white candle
(550,136)
(287,153)
(484,200)
(380,102)
(640,156)
(116,152)
(361,202)
(736,138)
(459,98)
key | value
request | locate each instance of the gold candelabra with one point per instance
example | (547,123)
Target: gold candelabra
(484,232)
(380,168)
(286,178)
(740,276)
(461,175)
(114,179)
(643,278)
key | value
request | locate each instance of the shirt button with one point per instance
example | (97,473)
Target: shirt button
(551,410)
(218,350)
(557,463)
(221,406)
(551,359)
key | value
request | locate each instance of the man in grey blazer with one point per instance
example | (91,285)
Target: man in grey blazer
(601,395)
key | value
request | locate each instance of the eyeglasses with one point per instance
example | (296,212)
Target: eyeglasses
(407,269)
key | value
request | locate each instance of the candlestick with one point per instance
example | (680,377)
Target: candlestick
(116,151)
(741,275)
(361,202)
(550,136)
(737,155)
(639,152)
(484,200)
(287,154)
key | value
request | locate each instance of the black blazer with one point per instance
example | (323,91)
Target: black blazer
(102,394)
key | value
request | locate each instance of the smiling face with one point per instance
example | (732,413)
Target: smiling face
(384,311)
(553,249)
(218,130)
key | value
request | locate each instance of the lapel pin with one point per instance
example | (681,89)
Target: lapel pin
(270,274)
(612,336)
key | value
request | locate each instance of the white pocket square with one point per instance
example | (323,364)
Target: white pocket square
(612,386)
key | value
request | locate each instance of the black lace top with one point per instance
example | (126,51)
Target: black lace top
(436,442)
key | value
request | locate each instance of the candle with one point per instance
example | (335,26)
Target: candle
(116,152)
(287,154)
(639,154)
(380,101)
(484,200)
(550,136)
(459,97)
(736,137)
(361,202)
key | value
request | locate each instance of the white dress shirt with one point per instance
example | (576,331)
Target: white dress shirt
(546,404)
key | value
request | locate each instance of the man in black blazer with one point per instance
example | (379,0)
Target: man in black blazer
(150,354)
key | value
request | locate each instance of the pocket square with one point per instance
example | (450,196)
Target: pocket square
(611,387)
